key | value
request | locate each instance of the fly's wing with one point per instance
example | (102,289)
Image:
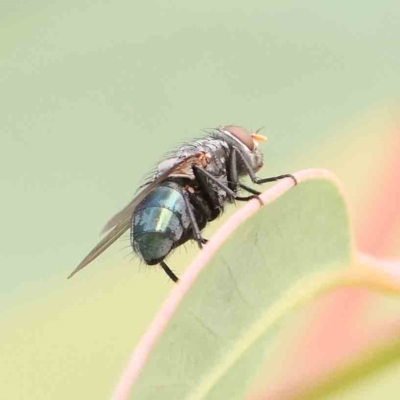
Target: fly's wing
(173,166)
(120,223)
(104,243)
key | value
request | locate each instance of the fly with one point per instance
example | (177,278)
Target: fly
(189,189)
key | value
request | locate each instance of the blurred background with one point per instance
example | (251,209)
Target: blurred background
(93,93)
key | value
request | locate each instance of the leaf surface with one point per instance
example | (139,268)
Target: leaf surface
(209,338)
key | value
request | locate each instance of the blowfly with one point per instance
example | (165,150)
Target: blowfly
(188,190)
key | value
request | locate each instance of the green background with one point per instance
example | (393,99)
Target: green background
(92,93)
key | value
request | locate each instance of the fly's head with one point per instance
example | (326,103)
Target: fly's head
(246,141)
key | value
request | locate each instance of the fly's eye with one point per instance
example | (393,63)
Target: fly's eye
(241,134)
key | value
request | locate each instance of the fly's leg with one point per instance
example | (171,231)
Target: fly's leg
(197,236)
(252,174)
(210,195)
(246,198)
(233,179)
(276,178)
(229,192)
(249,189)
(168,271)
(196,231)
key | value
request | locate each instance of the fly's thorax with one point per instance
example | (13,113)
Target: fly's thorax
(219,154)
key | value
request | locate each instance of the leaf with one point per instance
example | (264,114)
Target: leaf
(381,352)
(351,379)
(246,266)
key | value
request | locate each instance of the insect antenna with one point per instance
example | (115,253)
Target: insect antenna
(260,129)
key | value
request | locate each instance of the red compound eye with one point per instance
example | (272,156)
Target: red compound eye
(240,133)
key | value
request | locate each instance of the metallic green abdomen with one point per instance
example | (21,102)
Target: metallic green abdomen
(159,223)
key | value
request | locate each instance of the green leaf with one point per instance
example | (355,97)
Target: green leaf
(372,371)
(360,376)
(215,341)
(302,292)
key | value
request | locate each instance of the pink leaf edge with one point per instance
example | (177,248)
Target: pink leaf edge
(310,372)
(390,267)
(160,321)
